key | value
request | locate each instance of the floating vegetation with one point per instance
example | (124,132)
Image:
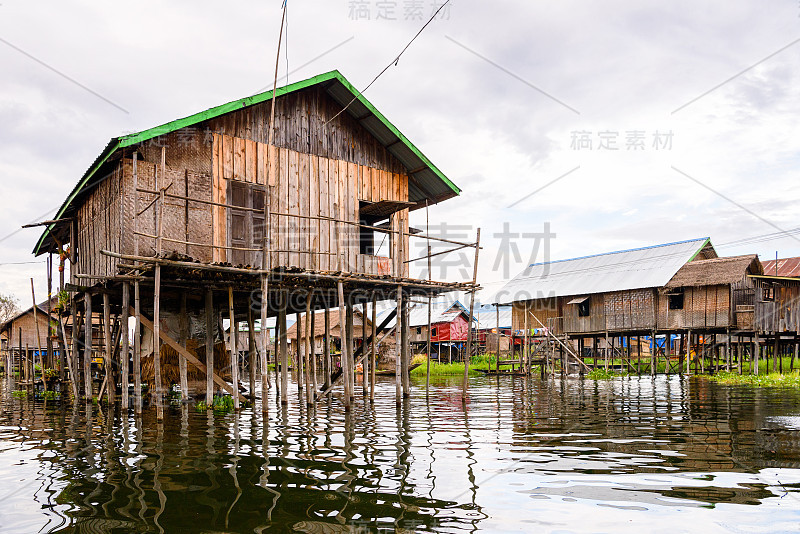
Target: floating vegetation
(788,380)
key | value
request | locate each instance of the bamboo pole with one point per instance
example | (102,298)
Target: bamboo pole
(209,313)
(251,352)
(471,315)
(365,367)
(327,367)
(264,338)
(125,350)
(344,355)
(38,338)
(312,343)
(109,354)
(158,391)
(87,346)
(398,347)
(430,305)
(184,338)
(137,349)
(373,348)
(298,353)
(284,352)
(234,350)
(351,372)
(307,350)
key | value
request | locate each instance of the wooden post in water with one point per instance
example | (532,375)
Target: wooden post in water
(373,347)
(430,303)
(728,350)
(125,350)
(251,352)
(756,354)
(312,344)
(87,346)
(406,354)
(777,360)
(183,340)
(137,348)
(350,348)
(365,365)
(471,315)
(234,350)
(794,356)
(284,350)
(688,351)
(344,355)
(398,347)
(158,391)
(209,313)
(497,326)
(307,351)
(327,368)
(298,353)
(264,334)
(38,339)
(108,353)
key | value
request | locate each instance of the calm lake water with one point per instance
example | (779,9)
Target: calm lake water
(629,455)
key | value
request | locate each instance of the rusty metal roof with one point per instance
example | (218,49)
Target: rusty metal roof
(787,267)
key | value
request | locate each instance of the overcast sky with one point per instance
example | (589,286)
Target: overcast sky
(504,97)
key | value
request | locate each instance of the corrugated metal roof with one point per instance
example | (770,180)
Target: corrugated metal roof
(787,267)
(614,271)
(487,317)
(441,312)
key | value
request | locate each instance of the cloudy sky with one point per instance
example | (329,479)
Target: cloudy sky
(520,103)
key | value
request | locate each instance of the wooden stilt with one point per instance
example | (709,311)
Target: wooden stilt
(468,355)
(794,356)
(125,350)
(108,353)
(524,360)
(284,351)
(312,343)
(398,348)
(406,353)
(183,340)
(264,334)
(373,347)
(137,349)
(234,349)
(298,353)
(350,347)
(756,355)
(87,346)
(251,352)
(327,368)
(365,366)
(209,313)
(777,361)
(307,351)
(345,357)
(38,339)
(497,337)
(158,391)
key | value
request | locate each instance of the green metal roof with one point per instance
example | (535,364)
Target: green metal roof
(427,181)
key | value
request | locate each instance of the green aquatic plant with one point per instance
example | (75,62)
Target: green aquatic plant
(788,380)
(19,393)
(602,374)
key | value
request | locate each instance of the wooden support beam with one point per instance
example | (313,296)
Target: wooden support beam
(344,355)
(327,367)
(137,349)
(251,352)
(184,338)
(365,365)
(234,350)
(313,351)
(405,359)
(264,333)
(351,372)
(298,353)
(284,350)
(398,347)
(125,353)
(190,358)
(158,390)
(209,313)
(307,350)
(373,348)
(87,347)
(108,353)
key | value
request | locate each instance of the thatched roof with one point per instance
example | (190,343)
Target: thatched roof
(717,271)
(319,325)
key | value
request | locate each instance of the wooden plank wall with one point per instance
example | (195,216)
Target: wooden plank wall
(99,226)
(630,310)
(705,307)
(595,322)
(542,309)
(308,185)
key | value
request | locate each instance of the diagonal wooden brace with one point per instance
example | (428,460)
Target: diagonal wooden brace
(147,323)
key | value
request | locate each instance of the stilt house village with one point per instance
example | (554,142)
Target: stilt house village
(286,214)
